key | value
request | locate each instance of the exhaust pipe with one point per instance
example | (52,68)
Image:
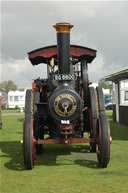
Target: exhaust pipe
(63,46)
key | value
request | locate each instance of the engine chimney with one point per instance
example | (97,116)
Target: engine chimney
(63,46)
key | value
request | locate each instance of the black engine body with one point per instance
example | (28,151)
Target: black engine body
(62,98)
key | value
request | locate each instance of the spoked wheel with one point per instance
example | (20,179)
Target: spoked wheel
(28,132)
(93,119)
(85,93)
(103,142)
(37,133)
(103,133)
(85,81)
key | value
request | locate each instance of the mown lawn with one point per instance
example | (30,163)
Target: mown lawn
(10,111)
(60,169)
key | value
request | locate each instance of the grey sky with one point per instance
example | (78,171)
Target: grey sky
(26,26)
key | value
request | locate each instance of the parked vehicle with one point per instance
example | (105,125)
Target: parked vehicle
(16,99)
(62,108)
(108,102)
(4,102)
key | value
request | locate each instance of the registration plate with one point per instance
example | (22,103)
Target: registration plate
(64,77)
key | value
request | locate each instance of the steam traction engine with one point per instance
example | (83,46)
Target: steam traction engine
(61,108)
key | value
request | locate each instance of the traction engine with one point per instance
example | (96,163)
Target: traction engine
(63,107)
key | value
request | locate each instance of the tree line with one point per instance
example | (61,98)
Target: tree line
(105,84)
(6,86)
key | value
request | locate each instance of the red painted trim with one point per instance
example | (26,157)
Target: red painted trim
(33,143)
(41,89)
(33,86)
(51,51)
(109,142)
(59,141)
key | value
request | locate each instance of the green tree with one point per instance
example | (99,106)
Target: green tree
(6,86)
(21,89)
(105,84)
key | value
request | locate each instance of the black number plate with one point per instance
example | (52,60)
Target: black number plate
(64,77)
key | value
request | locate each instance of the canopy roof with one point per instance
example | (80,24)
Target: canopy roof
(43,55)
(118,76)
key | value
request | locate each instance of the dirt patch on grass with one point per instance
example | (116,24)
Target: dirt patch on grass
(12,114)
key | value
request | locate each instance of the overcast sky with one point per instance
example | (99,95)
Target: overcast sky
(27,25)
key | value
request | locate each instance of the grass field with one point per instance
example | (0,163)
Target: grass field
(11,111)
(60,169)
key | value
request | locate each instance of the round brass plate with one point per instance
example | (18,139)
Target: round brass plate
(65,105)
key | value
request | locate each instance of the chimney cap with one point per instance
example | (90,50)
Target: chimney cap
(63,27)
(63,23)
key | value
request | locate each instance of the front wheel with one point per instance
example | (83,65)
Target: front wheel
(28,136)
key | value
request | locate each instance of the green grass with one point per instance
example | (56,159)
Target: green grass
(60,169)
(11,111)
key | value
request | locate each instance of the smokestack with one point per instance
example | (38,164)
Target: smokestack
(63,46)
